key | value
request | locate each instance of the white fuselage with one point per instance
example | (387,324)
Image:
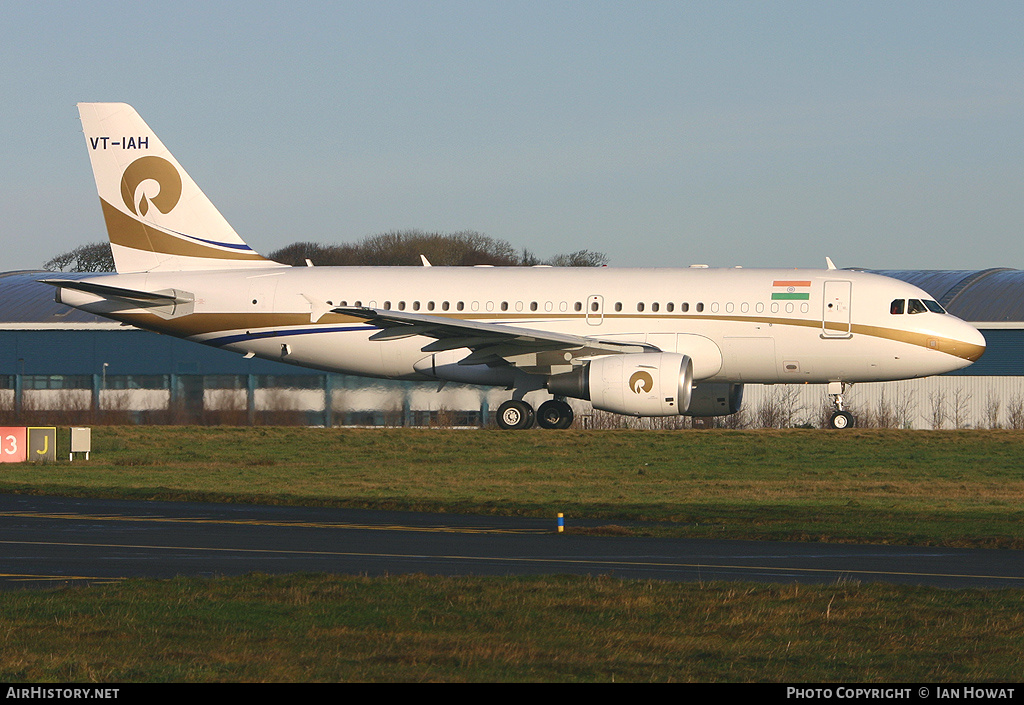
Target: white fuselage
(737,325)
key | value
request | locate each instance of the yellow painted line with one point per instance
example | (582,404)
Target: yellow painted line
(543,561)
(29,577)
(250,522)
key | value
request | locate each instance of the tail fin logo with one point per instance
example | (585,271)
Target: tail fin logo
(641,382)
(150,169)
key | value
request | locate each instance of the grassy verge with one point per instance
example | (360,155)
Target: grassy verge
(957,488)
(416,628)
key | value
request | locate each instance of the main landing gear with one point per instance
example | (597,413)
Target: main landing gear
(517,414)
(840,418)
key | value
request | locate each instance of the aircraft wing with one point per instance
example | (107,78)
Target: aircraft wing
(535,351)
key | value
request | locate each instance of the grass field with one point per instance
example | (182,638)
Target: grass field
(962,488)
(565,629)
(954,488)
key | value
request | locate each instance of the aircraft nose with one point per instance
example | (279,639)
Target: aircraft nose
(967,344)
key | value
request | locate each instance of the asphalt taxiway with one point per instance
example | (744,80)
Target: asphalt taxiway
(48,541)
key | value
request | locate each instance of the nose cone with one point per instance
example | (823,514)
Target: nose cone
(966,344)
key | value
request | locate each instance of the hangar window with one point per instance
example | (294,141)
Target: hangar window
(138,381)
(56,381)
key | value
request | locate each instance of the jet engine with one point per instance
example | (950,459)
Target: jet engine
(638,384)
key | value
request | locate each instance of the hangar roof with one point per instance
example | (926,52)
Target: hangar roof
(993,295)
(987,296)
(23,300)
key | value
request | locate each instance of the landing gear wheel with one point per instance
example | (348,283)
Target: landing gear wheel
(841,420)
(555,414)
(515,414)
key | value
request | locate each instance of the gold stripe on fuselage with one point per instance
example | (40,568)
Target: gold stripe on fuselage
(208,323)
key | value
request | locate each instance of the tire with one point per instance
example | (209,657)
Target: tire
(515,415)
(841,420)
(555,414)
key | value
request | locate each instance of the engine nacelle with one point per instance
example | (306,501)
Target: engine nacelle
(715,399)
(638,384)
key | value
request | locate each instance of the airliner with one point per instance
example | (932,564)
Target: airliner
(642,342)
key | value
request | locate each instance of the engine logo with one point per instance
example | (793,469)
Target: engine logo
(641,382)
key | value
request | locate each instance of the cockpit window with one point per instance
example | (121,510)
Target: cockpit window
(896,307)
(934,306)
(916,306)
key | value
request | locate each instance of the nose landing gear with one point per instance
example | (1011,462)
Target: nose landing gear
(840,418)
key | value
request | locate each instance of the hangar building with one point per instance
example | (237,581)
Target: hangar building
(62,365)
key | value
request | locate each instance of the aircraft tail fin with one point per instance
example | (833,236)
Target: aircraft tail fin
(157,217)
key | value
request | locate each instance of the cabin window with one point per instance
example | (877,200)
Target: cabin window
(685,307)
(700,307)
(670,307)
(444,305)
(460,306)
(415,305)
(618,305)
(387,305)
(578,306)
(533,305)
(430,305)
(640,307)
(504,305)
(358,304)
(655,307)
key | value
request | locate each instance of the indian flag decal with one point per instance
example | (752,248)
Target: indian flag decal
(791,290)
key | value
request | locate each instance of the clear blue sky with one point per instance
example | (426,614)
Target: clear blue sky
(881,134)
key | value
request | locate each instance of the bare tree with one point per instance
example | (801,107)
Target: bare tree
(95,257)
(939,413)
(405,248)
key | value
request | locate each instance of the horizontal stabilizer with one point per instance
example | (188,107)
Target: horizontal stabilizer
(167,303)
